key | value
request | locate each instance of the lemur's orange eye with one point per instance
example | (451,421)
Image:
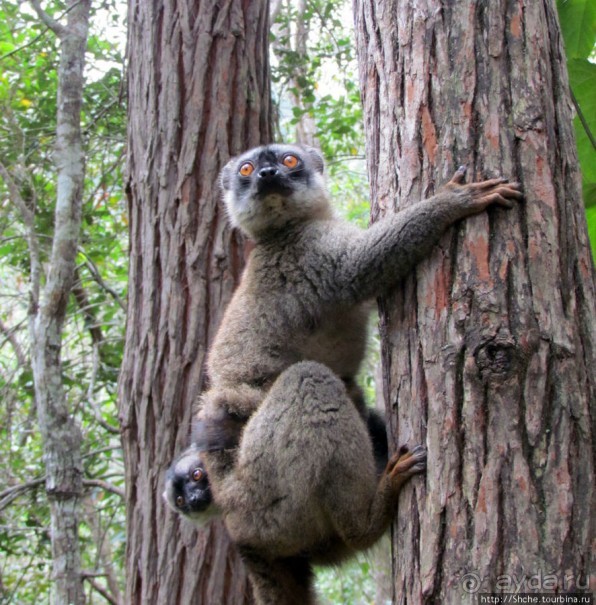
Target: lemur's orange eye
(197,474)
(180,501)
(246,169)
(290,161)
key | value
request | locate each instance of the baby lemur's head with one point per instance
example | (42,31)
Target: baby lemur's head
(270,187)
(187,490)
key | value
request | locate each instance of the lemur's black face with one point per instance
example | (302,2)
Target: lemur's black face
(187,488)
(267,187)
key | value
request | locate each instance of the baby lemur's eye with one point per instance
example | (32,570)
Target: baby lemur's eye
(246,169)
(197,474)
(180,501)
(290,161)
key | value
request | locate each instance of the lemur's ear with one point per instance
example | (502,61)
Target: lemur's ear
(316,158)
(225,177)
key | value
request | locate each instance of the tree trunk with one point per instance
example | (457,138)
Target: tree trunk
(488,349)
(60,433)
(198,93)
(294,40)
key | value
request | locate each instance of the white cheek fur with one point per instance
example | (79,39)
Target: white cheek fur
(256,215)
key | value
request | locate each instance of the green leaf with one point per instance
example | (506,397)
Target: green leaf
(589,191)
(591,216)
(578,23)
(582,77)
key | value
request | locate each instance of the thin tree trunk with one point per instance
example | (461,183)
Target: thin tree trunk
(489,349)
(293,36)
(198,93)
(60,433)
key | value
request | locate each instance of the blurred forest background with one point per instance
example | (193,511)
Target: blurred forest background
(315,93)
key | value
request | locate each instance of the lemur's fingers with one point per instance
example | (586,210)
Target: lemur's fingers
(511,190)
(496,198)
(489,184)
(502,194)
(407,462)
(459,177)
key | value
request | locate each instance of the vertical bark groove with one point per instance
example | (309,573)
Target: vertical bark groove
(198,93)
(499,322)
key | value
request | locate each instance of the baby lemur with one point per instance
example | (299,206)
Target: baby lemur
(303,489)
(301,486)
(187,488)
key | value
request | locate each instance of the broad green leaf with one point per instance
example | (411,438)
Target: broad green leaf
(578,23)
(582,76)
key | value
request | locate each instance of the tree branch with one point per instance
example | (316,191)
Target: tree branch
(47,20)
(105,173)
(29,219)
(93,270)
(10,337)
(104,555)
(94,408)
(18,49)
(11,493)
(101,450)
(89,319)
(108,487)
(41,34)
(100,589)
(16,197)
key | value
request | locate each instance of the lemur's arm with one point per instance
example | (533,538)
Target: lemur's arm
(364,264)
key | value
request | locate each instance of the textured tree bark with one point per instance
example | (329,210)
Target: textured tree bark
(60,433)
(198,93)
(489,348)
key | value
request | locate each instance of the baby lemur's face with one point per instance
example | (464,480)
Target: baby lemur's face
(187,488)
(267,188)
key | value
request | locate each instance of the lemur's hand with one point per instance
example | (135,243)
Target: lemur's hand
(485,193)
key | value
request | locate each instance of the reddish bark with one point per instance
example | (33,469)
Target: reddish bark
(198,93)
(489,348)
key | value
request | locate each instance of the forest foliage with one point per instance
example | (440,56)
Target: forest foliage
(314,78)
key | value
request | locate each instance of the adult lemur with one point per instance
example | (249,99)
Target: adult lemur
(301,487)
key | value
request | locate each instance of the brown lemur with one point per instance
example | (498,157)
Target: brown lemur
(301,487)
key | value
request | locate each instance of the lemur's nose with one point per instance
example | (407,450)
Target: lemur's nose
(268,172)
